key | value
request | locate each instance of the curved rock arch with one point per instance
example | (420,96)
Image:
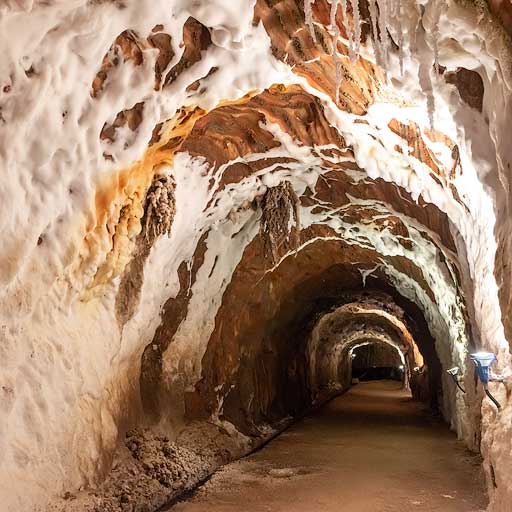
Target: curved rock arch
(148,157)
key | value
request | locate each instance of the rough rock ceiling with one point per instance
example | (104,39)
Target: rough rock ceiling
(189,196)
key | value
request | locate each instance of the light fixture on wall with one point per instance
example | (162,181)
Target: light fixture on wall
(483,361)
(454,373)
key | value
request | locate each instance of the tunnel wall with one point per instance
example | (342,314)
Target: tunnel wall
(149,283)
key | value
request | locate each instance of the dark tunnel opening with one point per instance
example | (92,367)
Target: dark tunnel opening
(377,361)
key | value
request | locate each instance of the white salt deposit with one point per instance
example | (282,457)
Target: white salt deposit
(68,370)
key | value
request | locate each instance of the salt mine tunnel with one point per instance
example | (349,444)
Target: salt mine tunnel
(255,255)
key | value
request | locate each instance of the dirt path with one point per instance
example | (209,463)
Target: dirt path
(371,450)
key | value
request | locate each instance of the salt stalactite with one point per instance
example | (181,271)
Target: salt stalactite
(397,17)
(337,63)
(367,272)
(280,222)
(160,208)
(425,69)
(431,106)
(383,30)
(309,18)
(335,29)
(348,31)
(372,4)
(434,37)
(357,26)
(334,26)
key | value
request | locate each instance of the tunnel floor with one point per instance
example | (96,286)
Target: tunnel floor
(372,449)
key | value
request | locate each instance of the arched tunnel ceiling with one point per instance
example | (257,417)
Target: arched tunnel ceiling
(373,311)
(194,186)
(337,333)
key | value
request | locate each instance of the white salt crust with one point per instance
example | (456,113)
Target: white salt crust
(68,371)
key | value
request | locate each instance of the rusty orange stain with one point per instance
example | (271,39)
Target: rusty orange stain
(118,202)
(119,199)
